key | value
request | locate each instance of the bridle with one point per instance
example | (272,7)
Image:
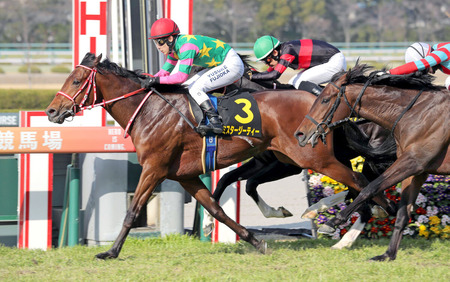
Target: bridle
(320,127)
(324,127)
(90,84)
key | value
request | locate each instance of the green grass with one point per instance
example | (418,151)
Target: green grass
(186,258)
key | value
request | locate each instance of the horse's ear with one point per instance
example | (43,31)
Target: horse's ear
(98,59)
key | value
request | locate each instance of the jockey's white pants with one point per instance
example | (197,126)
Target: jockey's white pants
(207,80)
(321,73)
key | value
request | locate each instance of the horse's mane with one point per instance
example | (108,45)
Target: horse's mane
(107,66)
(411,81)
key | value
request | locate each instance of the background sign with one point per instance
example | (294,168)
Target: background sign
(9,119)
(64,140)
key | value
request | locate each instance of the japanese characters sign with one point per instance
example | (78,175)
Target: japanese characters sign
(63,140)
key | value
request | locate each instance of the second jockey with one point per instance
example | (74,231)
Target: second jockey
(317,60)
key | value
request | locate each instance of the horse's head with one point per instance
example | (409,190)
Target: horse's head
(317,122)
(75,91)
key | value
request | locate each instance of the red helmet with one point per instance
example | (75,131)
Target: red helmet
(163,27)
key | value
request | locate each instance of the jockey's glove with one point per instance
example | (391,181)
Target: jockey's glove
(248,74)
(149,81)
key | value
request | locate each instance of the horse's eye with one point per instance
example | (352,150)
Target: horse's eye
(325,100)
(76,82)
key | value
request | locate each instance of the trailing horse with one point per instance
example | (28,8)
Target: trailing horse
(159,123)
(417,114)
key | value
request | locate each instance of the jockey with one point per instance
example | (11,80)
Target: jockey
(424,57)
(318,59)
(223,66)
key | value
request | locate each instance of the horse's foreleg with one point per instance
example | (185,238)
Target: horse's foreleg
(350,237)
(408,199)
(355,180)
(396,173)
(144,189)
(198,190)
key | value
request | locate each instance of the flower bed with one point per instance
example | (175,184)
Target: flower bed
(430,218)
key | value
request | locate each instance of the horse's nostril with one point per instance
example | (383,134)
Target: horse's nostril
(50,112)
(298,134)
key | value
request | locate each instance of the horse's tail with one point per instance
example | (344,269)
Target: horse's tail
(378,158)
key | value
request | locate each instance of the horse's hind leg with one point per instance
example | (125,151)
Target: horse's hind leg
(243,172)
(274,171)
(147,183)
(408,199)
(198,190)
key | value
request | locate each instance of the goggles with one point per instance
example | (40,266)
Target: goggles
(160,41)
(267,60)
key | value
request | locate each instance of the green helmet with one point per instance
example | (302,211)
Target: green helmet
(264,46)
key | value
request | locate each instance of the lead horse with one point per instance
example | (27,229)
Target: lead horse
(416,112)
(168,148)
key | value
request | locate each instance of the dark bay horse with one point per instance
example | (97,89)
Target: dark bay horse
(168,148)
(414,110)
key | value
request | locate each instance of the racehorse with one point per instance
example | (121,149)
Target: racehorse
(159,124)
(367,139)
(414,110)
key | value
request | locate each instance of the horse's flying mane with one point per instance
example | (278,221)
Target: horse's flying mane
(410,81)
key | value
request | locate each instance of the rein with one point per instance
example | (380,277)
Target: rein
(411,104)
(91,84)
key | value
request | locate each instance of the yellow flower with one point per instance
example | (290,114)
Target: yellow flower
(327,179)
(424,233)
(339,188)
(434,220)
(446,229)
(435,229)
(422,228)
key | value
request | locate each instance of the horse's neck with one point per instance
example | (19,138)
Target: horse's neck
(379,106)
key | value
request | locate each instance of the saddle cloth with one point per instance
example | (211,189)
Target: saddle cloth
(239,111)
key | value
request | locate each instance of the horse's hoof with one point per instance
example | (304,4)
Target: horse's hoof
(208,223)
(382,257)
(105,255)
(208,229)
(327,230)
(309,214)
(262,247)
(285,212)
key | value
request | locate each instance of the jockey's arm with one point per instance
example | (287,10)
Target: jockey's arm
(272,73)
(435,58)
(185,61)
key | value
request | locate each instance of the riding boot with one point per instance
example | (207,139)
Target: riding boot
(215,122)
(310,87)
